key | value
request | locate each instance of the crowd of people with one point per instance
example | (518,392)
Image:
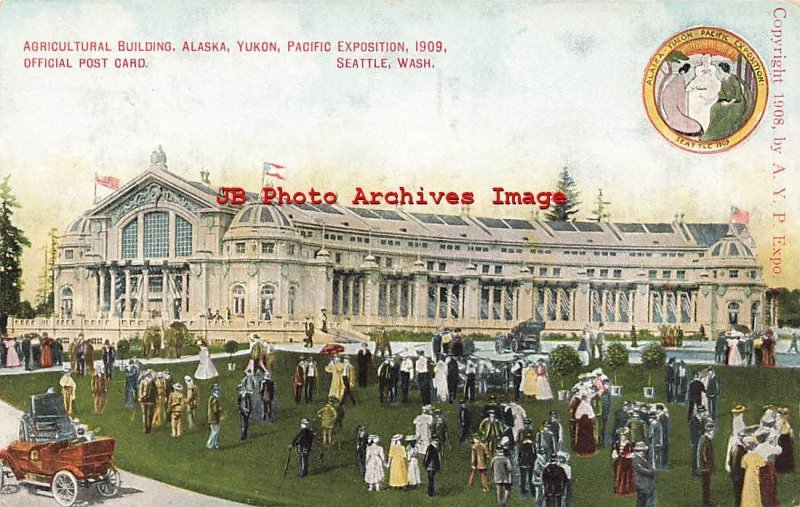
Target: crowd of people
(737,349)
(504,446)
(32,351)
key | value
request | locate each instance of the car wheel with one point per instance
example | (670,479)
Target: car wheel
(64,488)
(110,486)
(514,345)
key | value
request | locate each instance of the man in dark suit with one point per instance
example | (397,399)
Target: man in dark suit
(452,378)
(303,441)
(432,464)
(696,390)
(712,392)
(696,427)
(735,455)
(26,351)
(644,477)
(309,329)
(705,460)
(670,379)
(464,421)
(108,359)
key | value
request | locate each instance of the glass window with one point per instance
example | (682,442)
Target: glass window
(733,251)
(246,215)
(267,247)
(734,273)
(681,275)
(238,300)
(442,266)
(156,235)
(556,271)
(183,237)
(485,268)
(430,265)
(590,273)
(290,249)
(240,248)
(130,240)
(617,273)
(542,271)
(652,274)
(603,273)
(498,270)
(68,254)
(666,275)
(388,262)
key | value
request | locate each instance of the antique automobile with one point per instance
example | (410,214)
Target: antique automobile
(46,420)
(54,455)
(525,336)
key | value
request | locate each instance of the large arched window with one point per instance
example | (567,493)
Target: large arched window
(66,302)
(130,240)
(183,237)
(733,313)
(238,296)
(156,234)
(267,301)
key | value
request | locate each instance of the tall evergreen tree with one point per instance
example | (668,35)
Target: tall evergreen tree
(564,212)
(12,240)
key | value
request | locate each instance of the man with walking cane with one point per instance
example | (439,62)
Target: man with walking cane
(303,441)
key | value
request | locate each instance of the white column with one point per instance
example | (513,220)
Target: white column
(102,275)
(127,312)
(113,292)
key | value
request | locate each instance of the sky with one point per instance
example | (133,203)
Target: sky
(523,90)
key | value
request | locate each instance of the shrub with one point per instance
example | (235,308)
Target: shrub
(616,356)
(135,347)
(231,346)
(123,348)
(565,361)
(654,356)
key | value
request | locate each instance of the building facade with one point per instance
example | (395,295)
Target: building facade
(162,249)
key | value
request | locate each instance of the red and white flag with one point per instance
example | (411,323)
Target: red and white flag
(274,170)
(739,216)
(107,181)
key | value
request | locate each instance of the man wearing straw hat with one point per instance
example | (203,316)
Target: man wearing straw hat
(644,477)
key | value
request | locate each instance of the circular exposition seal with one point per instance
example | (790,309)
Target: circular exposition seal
(705,90)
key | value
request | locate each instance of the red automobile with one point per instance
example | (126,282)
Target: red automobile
(64,461)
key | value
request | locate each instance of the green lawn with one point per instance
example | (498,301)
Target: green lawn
(251,471)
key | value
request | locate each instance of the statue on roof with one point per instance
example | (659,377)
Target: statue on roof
(158,157)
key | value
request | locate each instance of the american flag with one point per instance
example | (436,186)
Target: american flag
(107,181)
(739,216)
(274,170)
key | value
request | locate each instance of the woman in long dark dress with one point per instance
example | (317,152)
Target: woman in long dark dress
(784,462)
(623,465)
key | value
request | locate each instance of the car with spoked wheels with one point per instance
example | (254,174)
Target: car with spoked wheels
(52,456)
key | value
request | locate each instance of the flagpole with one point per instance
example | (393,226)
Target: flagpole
(95,189)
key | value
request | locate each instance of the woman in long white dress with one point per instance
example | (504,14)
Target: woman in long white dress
(375,463)
(543,391)
(205,368)
(734,358)
(440,381)
(12,358)
(413,461)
